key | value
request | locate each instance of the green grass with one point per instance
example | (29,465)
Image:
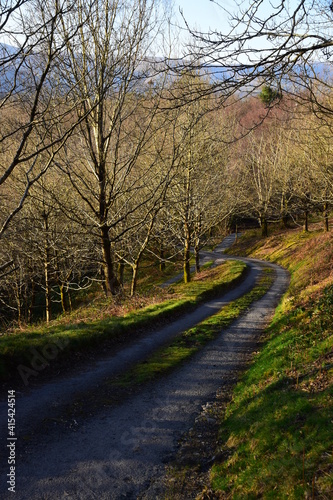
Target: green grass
(150,275)
(59,341)
(277,433)
(276,417)
(193,339)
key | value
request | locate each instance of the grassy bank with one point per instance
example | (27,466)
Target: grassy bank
(29,352)
(276,438)
(168,357)
(195,338)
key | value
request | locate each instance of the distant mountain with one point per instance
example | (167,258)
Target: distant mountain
(12,70)
(10,59)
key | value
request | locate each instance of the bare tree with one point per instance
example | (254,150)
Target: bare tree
(284,45)
(50,254)
(29,54)
(314,180)
(108,61)
(197,200)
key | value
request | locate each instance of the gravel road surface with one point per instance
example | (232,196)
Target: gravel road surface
(121,452)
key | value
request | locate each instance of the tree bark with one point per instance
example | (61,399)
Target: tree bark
(18,304)
(306,221)
(69,300)
(197,258)
(284,211)
(110,279)
(62,297)
(135,266)
(264,226)
(121,269)
(32,302)
(135,270)
(162,262)
(47,260)
(186,257)
(326,221)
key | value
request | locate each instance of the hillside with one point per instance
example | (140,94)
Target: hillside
(276,436)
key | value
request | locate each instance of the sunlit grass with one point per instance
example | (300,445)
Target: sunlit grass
(21,347)
(195,338)
(277,434)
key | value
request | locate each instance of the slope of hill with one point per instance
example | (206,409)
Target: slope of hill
(273,436)
(276,437)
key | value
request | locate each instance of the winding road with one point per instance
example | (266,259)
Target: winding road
(121,452)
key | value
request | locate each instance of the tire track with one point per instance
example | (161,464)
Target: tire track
(121,452)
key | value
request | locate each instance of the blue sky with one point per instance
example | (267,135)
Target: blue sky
(204,14)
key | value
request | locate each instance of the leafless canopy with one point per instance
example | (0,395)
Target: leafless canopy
(286,44)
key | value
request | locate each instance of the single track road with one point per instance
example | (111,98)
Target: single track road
(121,451)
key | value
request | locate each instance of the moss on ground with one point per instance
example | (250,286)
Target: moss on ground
(277,434)
(34,349)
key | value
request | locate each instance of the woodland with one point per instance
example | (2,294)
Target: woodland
(114,152)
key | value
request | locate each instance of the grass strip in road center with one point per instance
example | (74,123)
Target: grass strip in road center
(115,389)
(193,339)
(37,348)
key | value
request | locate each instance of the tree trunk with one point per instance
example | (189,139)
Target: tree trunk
(18,304)
(139,255)
(198,229)
(32,302)
(121,269)
(47,260)
(226,226)
(69,300)
(135,270)
(326,221)
(110,279)
(47,290)
(284,211)
(197,258)
(62,297)
(306,221)
(162,262)
(186,257)
(264,226)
